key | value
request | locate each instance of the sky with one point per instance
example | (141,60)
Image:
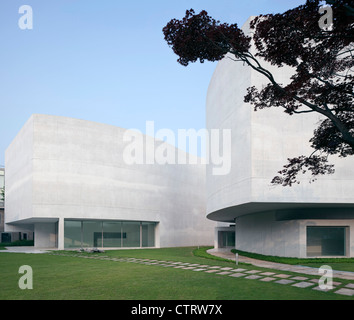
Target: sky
(106,61)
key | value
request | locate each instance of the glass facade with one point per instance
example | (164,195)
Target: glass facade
(226,239)
(148,234)
(326,241)
(91,234)
(112,234)
(108,234)
(72,234)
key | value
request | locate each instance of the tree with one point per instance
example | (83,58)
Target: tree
(322,60)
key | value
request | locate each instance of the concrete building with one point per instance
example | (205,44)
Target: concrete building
(305,220)
(68,182)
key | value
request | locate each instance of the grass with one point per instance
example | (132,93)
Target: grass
(343,264)
(71,278)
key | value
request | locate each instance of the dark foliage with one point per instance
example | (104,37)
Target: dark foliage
(322,59)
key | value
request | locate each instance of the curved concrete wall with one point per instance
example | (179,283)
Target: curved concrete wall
(261,143)
(60,168)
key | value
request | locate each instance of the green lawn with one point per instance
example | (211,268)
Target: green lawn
(63,278)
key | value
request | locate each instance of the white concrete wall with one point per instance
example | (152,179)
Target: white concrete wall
(19,175)
(46,235)
(261,143)
(77,171)
(261,233)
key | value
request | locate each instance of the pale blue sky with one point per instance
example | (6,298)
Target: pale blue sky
(106,61)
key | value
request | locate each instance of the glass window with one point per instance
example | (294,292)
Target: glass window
(131,234)
(326,241)
(148,234)
(92,234)
(72,234)
(226,239)
(108,234)
(112,234)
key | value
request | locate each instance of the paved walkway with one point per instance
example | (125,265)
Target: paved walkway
(28,249)
(227,254)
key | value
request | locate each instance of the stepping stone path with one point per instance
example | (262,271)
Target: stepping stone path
(253,274)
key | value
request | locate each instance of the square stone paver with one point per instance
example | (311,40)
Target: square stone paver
(299,278)
(284,281)
(215,267)
(253,276)
(320,289)
(226,268)
(199,269)
(350,285)
(267,279)
(238,270)
(283,276)
(253,271)
(188,268)
(211,271)
(334,283)
(267,273)
(303,284)
(345,291)
(237,275)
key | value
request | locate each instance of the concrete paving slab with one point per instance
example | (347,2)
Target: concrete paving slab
(284,281)
(267,279)
(253,271)
(303,284)
(299,278)
(321,289)
(253,277)
(267,273)
(237,275)
(283,276)
(345,291)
